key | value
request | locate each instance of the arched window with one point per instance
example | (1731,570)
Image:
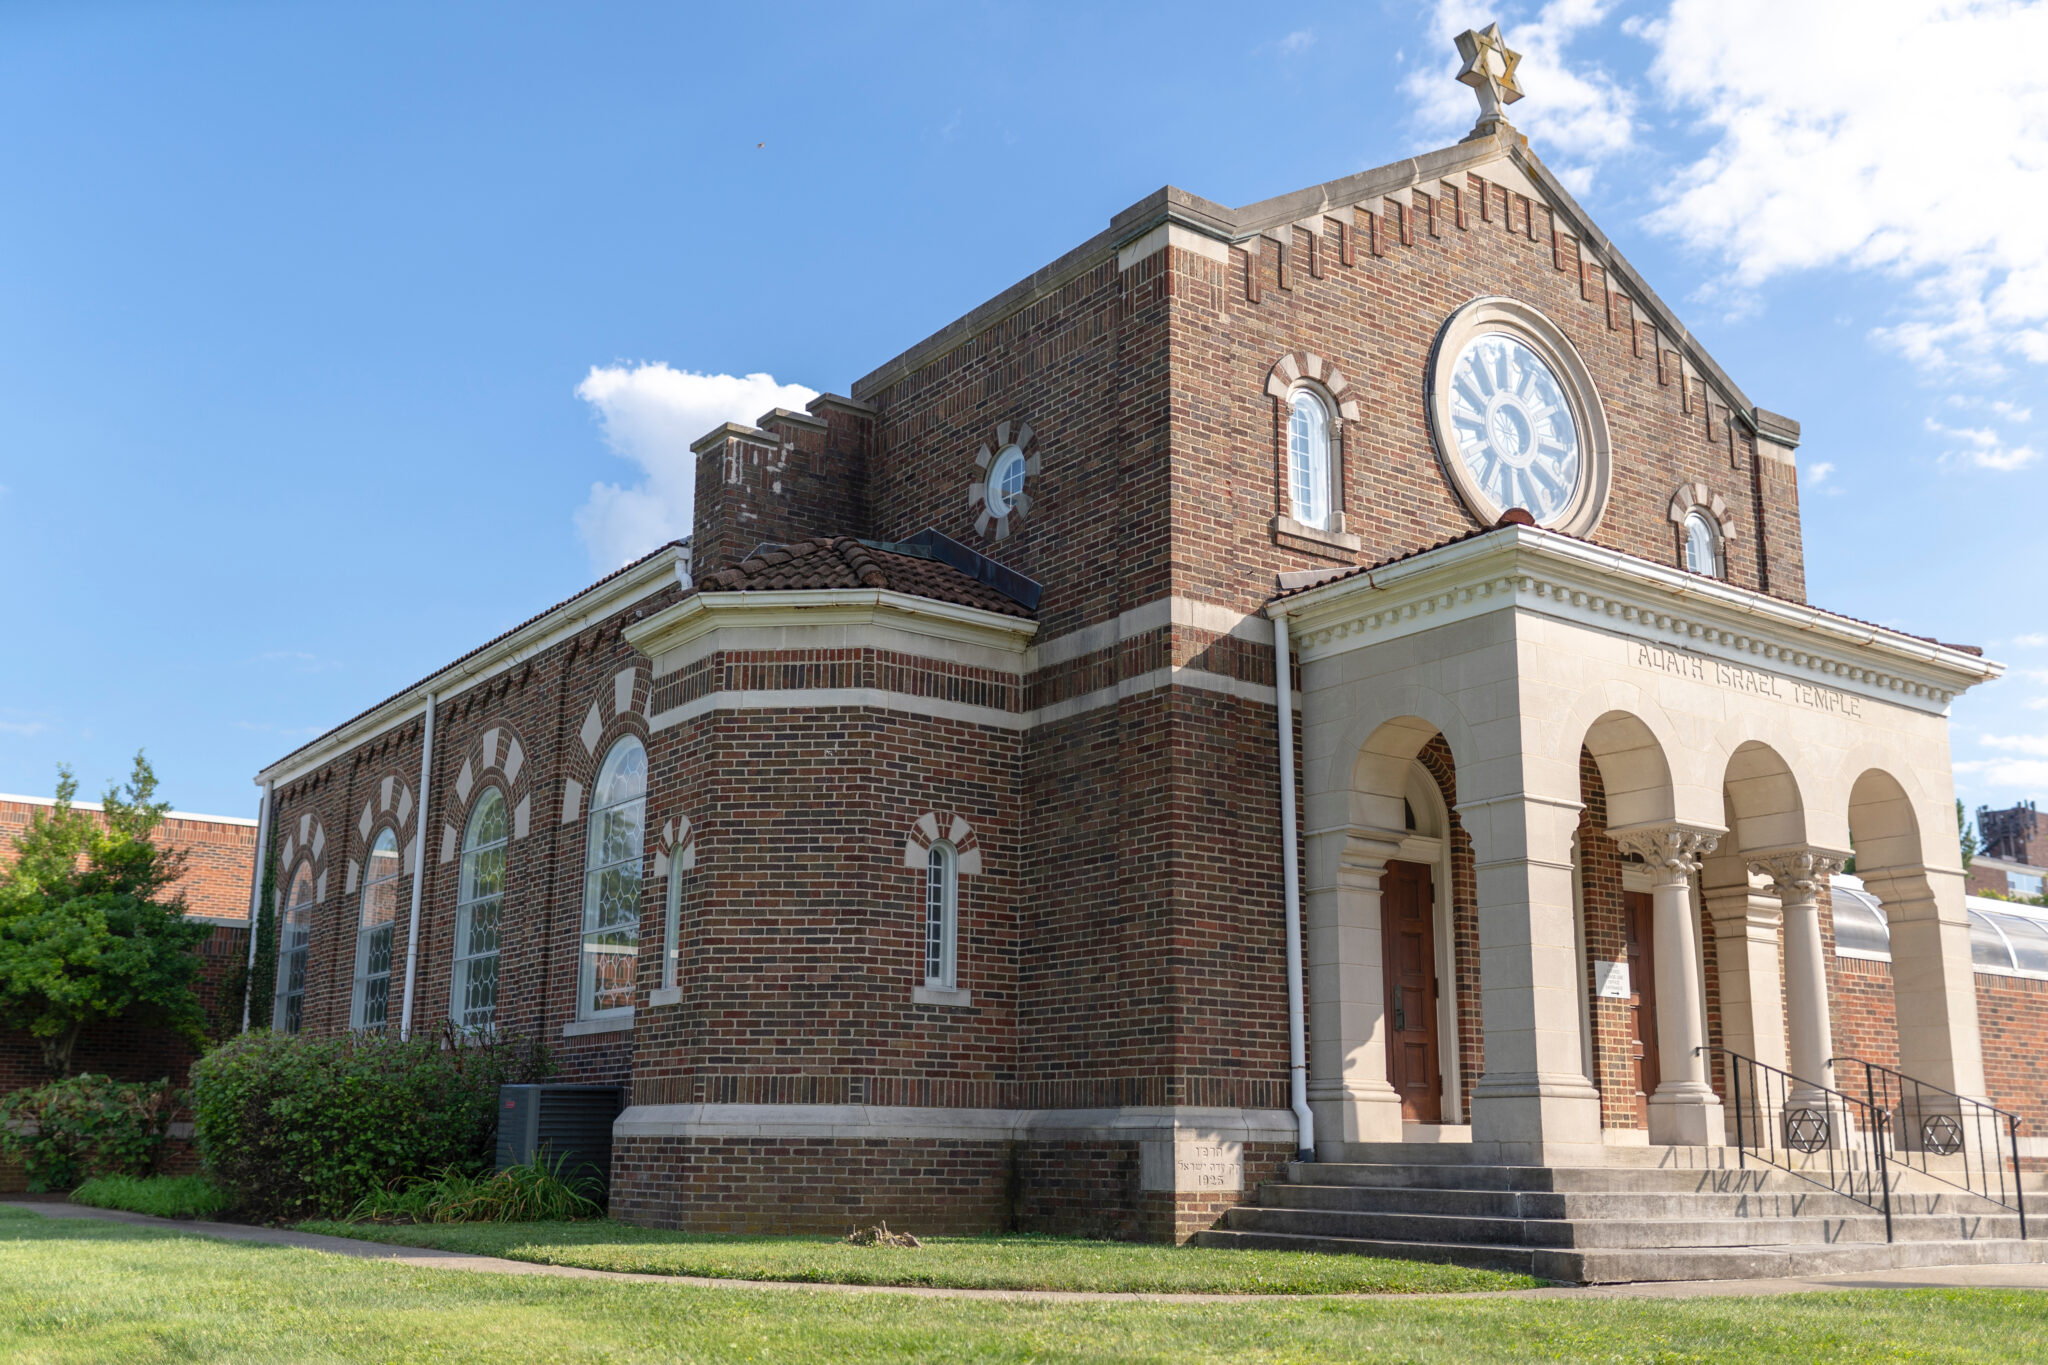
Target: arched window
(941,917)
(1702,544)
(373,934)
(473,998)
(289,1014)
(611,882)
(1308,459)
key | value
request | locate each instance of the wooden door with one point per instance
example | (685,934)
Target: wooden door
(1408,950)
(1637,923)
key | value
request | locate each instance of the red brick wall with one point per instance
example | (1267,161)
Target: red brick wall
(2012,1017)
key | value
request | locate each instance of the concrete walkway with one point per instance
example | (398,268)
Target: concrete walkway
(1957,1277)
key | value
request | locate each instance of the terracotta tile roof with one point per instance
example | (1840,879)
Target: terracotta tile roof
(844,562)
(1337,575)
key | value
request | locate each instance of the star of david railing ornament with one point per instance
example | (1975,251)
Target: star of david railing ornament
(1806,1130)
(1942,1135)
(1490,70)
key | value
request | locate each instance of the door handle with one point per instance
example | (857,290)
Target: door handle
(1400,1016)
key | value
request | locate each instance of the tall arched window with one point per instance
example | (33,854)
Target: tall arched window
(941,917)
(611,882)
(373,934)
(289,1014)
(1308,459)
(1702,544)
(473,998)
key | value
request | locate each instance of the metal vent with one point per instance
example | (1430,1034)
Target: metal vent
(572,1123)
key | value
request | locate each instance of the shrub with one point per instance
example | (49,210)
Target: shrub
(536,1192)
(161,1196)
(86,1126)
(298,1127)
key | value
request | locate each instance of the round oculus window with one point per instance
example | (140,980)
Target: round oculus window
(1005,480)
(1516,418)
(1514,427)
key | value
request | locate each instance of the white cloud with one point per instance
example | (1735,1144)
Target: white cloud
(2034,746)
(1583,116)
(1910,142)
(2036,703)
(1817,473)
(1297,42)
(650,414)
(2005,772)
(1983,448)
(2030,641)
(22,727)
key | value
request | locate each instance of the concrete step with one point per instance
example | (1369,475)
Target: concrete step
(1787,1203)
(1459,1176)
(1575,1266)
(1642,1233)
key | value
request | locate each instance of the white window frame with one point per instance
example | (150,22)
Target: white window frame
(941,946)
(366,934)
(1321,478)
(467,903)
(1698,517)
(593,874)
(294,946)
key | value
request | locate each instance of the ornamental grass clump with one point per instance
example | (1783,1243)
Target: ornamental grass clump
(297,1127)
(539,1191)
(160,1196)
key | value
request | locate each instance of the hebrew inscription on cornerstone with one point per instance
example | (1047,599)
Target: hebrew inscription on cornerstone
(1191,1166)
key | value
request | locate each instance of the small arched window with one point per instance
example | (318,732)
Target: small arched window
(473,997)
(611,882)
(374,928)
(1308,459)
(1702,544)
(941,917)
(296,933)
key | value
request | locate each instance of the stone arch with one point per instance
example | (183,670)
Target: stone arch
(1883,828)
(1634,770)
(1382,769)
(1764,803)
(1691,496)
(391,803)
(1294,367)
(932,826)
(1418,712)
(615,711)
(304,841)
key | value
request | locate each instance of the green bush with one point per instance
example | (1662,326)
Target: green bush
(536,1192)
(84,1126)
(297,1127)
(161,1196)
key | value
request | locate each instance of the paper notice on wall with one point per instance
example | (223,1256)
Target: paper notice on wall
(1611,981)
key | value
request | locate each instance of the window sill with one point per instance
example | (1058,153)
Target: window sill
(611,1023)
(933,995)
(665,995)
(1334,544)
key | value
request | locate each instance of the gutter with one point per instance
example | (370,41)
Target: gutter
(1290,881)
(419,868)
(256,894)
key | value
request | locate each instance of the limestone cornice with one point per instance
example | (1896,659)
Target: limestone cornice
(702,613)
(1523,568)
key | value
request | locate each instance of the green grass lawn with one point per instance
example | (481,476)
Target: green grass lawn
(160,1196)
(72,1290)
(1009,1262)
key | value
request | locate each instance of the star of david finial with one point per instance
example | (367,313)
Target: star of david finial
(1490,70)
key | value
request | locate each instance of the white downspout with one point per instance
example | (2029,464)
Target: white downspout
(1290,880)
(419,869)
(256,896)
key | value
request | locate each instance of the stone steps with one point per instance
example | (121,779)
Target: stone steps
(1656,1214)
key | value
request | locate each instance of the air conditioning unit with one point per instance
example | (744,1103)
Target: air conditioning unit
(567,1123)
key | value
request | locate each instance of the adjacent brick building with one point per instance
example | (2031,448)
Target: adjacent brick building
(909,842)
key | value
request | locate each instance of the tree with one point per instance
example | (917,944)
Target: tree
(88,928)
(1966,835)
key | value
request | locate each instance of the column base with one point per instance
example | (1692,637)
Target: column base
(1687,1114)
(1342,1119)
(1538,1118)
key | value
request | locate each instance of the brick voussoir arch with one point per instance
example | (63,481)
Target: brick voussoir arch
(495,758)
(1295,366)
(390,803)
(1691,496)
(932,826)
(619,709)
(305,840)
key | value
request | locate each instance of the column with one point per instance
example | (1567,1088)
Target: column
(1934,984)
(1534,1103)
(1347,1077)
(1746,923)
(1799,875)
(1685,1111)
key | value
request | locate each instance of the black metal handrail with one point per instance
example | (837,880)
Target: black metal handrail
(1839,1139)
(1929,1123)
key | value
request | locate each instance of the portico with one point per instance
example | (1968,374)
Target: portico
(1741,745)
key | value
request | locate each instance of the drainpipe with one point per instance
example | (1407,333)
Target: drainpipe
(256,895)
(419,868)
(1290,874)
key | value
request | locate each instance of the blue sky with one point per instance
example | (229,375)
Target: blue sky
(336,338)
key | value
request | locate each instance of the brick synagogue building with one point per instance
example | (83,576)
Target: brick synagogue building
(910,842)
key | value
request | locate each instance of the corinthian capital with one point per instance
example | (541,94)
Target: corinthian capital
(1674,850)
(1799,873)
